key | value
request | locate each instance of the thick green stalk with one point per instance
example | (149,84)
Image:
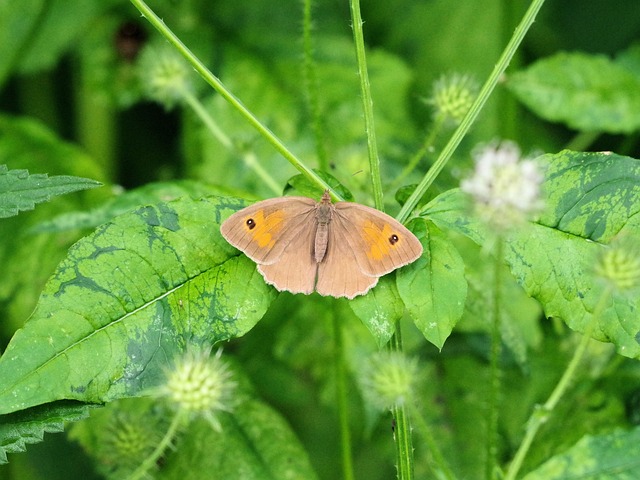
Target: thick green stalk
(474,111)
(217,85)
(311,86)
(248,157)
(367,104)
(402,424)
(404,446)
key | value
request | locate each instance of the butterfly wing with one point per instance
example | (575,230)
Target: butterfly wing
(339,274)
(295,269)
(265,230)
(379,243)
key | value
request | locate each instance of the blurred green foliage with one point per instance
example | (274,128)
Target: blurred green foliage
(72,103)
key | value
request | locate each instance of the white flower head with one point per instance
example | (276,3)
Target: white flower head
(504,186)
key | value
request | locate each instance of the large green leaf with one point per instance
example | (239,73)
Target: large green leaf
(125,299)
(598,457)
(434,288)
(590,197)
(254,443)
(587,92)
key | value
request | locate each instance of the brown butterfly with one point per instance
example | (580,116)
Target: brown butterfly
(301,245)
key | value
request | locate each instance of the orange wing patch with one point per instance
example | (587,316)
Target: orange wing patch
(380,242)
(263,229)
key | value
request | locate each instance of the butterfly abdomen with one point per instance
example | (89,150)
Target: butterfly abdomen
(324,213)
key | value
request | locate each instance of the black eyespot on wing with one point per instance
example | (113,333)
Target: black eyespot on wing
(393,239)
(251,223)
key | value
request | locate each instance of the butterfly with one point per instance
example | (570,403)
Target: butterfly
(339,250)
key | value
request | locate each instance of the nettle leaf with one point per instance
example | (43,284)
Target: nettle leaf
(434,288)
(587,92)
(21,191)
(591,197)
(126,299)
(20,429)
(614,455)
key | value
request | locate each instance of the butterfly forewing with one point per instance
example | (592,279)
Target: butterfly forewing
(379,243)
(264,230)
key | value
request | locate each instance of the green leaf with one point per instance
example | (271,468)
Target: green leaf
(586,92)
(614,455)
(379,309)
(29,260)
(128,297)
(150,193)
(591,197)
(20,429)
(21,191)
(303,186)
(434,288)
(255,442)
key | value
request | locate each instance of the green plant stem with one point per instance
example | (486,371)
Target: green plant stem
(541,414)
(248,157)
(342,399)
(474,111)
(152,459)
(367,104)
(404,446)
(217,85)
(402,433)
(439,464)
(582,141)
(427,144)
(311,86)
(495,385)
(97,130)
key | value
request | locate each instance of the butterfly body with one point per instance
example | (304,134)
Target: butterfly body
(301,245)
